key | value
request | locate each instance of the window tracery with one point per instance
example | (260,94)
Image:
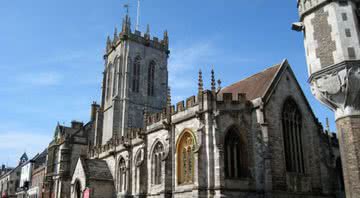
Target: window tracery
(292,132)
(151,78)
(156,162)
(136,74)
(185,159)
(122,174)
(235,155)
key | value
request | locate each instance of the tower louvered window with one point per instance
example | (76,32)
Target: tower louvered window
(122,174)
(109,80)
(156,163)
(136,75)
(185,159)
(116,66)
(292,130)
(151,78)
(235,155)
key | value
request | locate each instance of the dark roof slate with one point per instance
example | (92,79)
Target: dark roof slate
(254,86)
(96,169)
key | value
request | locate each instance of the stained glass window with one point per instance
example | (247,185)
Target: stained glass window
(185,159)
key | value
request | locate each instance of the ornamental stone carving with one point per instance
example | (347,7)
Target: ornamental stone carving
(339,89)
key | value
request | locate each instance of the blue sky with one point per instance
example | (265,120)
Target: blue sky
(51,55)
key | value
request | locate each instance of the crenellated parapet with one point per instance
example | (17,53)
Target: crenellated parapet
(117,141)
(307,6)
(145,39)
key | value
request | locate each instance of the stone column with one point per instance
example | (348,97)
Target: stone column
(349,138)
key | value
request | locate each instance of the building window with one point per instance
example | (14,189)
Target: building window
(151,77)
(185,159)
(116,66)
(136,75)
(343,3)
(109,80)
(347,32)
(156,163)
(344,16)
(351,52)
(235,155)
(292,132)
(122,175)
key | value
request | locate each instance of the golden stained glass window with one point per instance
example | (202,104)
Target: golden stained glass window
(185,159)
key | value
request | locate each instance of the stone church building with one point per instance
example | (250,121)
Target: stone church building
(257,137)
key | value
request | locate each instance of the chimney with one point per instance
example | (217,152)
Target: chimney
(76,124)
(94,108)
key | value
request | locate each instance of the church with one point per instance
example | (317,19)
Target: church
(255,138)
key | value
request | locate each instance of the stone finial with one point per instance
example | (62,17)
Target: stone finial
(147,34)
(201,83)
(219,85)
(213,84)
(108,43)
(116,37)
(166,38)
(126,26)
(148,29)
(327,125)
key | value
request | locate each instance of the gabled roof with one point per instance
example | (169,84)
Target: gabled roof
(96,169)
(256,85)
(262,84)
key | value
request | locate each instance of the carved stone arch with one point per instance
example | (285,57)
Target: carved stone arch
(186,130)
(242,131)
(139,156)
(165,147)
(125,156)
(288,99)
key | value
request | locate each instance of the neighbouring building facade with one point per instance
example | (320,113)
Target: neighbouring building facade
(10,180)
(332,46)
(257,137)
(36,187)
(68,145)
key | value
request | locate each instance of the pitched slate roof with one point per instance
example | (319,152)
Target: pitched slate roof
(96,169)
(254,86)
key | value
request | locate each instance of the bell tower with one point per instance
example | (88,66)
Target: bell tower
(332,47)
(135,79)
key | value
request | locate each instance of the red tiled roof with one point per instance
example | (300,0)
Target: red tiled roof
(254,86)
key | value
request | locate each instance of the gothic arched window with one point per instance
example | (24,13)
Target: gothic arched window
(292,130)
(122,175)
(116,66)
(235,155)
(136,75)
(156,163)
(151,78)
(109,80)
(185,159)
